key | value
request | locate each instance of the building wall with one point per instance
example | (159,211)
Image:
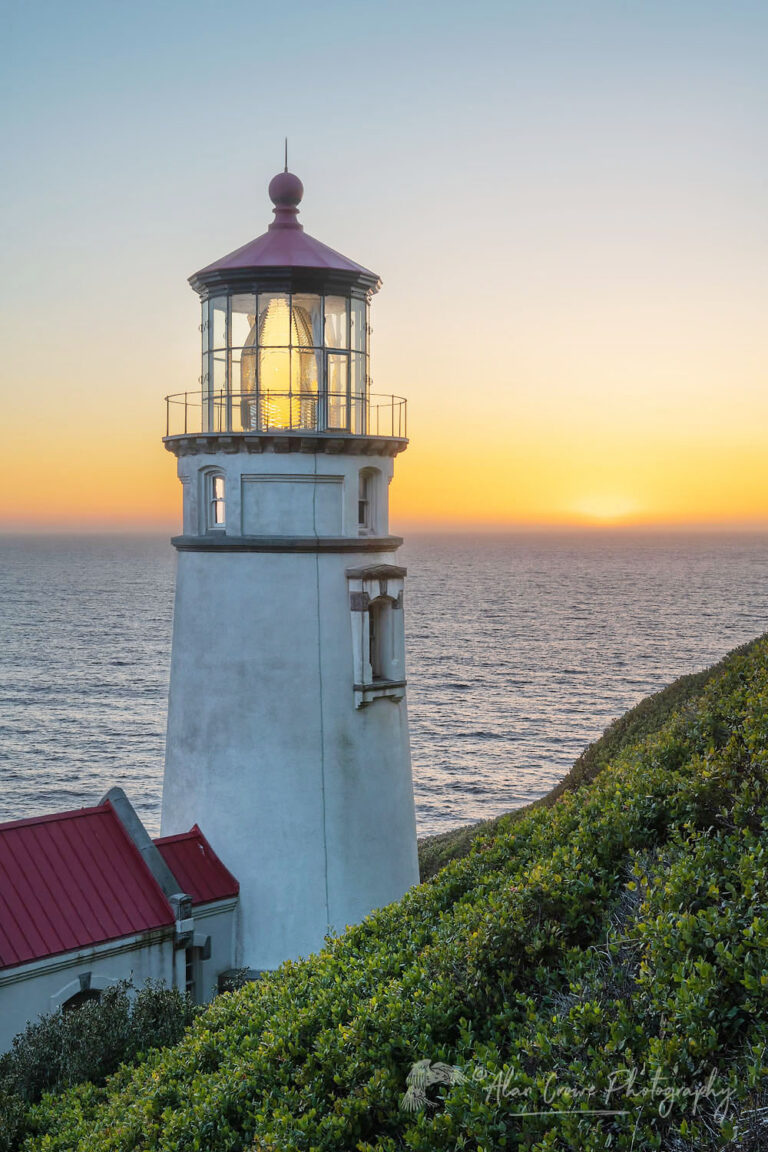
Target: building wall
(306,797)
(219,922)
(42,986)
(30,990)
(284,494)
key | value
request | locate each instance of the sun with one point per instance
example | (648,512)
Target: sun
(605,508)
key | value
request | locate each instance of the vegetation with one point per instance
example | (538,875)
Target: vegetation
(591,975)
(86,1044)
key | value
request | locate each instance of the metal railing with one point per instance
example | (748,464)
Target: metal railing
(220,413)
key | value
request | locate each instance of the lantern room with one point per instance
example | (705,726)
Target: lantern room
(285,332)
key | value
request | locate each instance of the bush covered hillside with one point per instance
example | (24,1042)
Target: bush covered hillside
(592,976)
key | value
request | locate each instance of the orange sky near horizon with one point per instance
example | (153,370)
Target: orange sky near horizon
(457,476)
(566,208)
(522,430)
(548,415)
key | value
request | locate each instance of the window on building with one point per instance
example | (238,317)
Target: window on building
(378,634)
(217,513)
(371,502)
(365,503)
(80,998)
(375,639)
(193,974)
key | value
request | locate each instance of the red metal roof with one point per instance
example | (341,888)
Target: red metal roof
(285,247)
(285,244)
(196,866)
(71,880)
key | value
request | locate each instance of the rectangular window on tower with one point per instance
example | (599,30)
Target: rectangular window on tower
(375,638)
(378,637)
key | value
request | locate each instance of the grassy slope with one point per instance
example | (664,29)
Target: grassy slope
(647,717)
(622,930)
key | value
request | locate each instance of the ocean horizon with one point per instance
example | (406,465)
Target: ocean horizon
(522,647)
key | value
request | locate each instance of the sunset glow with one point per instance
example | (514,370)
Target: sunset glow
(605,509)
(572,240)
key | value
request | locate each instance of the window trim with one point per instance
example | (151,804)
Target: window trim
(366,496)
(376,597)
(213,503)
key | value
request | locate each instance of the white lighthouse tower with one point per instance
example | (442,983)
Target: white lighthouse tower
(287,722)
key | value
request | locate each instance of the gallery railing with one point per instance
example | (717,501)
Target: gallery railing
(219,413)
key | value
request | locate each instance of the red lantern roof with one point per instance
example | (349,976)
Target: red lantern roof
(285,245)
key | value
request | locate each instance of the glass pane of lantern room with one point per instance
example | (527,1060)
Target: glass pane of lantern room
(248,370)
(336,322)
(338,373)
(205,327)
(358,390)
(274,388)
(234,371)
(243,321)
(307,321)
(245,408)
(357,317)
(219,372)
(206,425)
(219,322)
(304,373)
(274,320)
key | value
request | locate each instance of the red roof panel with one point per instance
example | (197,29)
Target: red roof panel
(196,866)
(288,247)
(71,880)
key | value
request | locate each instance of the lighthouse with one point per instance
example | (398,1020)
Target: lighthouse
(287,718)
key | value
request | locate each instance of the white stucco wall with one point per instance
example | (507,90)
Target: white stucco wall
(274,494)
(29,990)
(307,799)
(219,921)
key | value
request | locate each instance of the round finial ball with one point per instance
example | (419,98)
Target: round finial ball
(285,190)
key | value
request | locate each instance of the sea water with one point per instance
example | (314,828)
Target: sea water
(521,650)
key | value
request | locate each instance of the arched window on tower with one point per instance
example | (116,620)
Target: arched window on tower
(367,512)
(215,502)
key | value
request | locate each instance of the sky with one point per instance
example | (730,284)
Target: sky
(565,201)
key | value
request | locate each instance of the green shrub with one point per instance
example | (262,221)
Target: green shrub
(593,975)
(86,1044)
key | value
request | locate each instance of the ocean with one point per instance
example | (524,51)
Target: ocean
(521,650)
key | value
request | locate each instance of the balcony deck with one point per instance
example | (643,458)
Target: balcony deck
(334,422)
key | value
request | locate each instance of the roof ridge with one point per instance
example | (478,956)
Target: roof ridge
(47,817)
(193,832)
(137,853)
